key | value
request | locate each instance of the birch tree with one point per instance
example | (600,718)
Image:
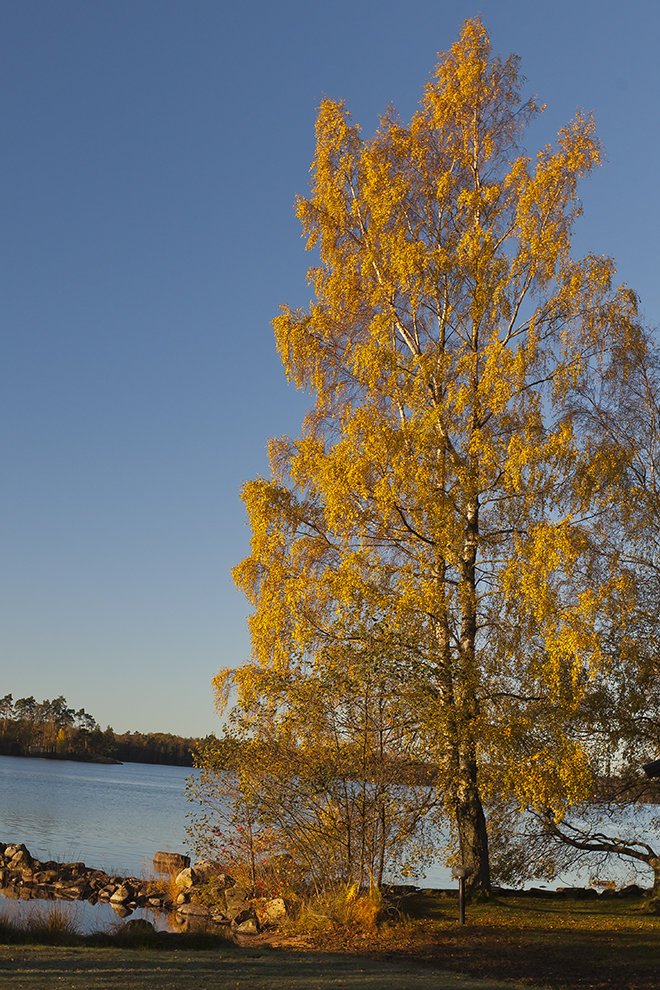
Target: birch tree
(440,491)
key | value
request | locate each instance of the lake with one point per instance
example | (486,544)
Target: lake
(110,817)
(116,817)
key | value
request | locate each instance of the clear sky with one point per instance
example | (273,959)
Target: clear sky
(150,152)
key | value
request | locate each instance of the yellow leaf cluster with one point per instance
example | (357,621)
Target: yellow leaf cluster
(441,491)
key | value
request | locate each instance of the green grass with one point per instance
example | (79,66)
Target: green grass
(41,968)
(563,944)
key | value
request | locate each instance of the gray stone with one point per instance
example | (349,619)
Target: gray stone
(237,901)
(165,862)
(274,912)
(11,850)
(248,927)
(185,879)
(121,894)
(138,925)
(198,910)
(19,859)
(203,867)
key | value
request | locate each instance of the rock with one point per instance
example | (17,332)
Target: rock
(237,901)
(165,862)
(77,893)
(269,911)
(44,893)
(75,869)
(182,898)
(248,927)
(11,850)
(198,910)
(185,879)
(20,859)
(139,925)
(275,912)
(62,894)
(121,894)
(205,866)
(45,876)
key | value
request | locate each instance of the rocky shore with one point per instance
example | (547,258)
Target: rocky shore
(198,895)
(180,893)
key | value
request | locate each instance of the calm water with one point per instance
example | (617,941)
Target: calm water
(116,817)
(110,817)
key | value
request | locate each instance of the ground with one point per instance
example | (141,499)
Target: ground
(513,942)
(45,968)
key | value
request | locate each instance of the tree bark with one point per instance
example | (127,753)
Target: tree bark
(472,833)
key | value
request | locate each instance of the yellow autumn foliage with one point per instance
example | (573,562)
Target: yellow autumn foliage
(439,500)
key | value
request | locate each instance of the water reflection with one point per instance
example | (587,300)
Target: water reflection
(16,905)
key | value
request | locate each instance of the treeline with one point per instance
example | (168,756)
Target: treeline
(52,729)
(154,747)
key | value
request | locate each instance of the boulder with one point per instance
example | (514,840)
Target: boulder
(198,910)
(11,850)
(247,927)
(204,867)
(270,911)
(237,901)
(274,912)
(185,879)
(121,895)
(165,862)
(20,859)
(138,925)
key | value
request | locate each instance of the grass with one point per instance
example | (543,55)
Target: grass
(46,923)
(563,944)
(515,941)
(38,968)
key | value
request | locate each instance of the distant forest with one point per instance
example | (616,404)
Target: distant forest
(52,730)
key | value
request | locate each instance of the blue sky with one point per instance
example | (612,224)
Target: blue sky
(150,153)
